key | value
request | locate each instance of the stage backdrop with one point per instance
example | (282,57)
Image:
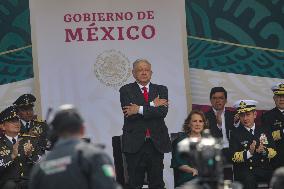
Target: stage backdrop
(237,44)
(84,52)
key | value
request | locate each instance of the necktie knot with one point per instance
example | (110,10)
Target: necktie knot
(251,131)
(145,93)
(14,141)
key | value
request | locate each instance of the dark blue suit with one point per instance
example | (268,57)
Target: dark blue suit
(144,155)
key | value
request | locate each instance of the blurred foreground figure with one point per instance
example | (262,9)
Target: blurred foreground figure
(73,163)
(277,180)
(205,154)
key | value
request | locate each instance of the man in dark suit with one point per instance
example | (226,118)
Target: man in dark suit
(18,153)
(252,148)
(145,136)
(273,120)
(221,120)
(29,124)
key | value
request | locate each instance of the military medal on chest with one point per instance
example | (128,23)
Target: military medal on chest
(263,139)
(277,123)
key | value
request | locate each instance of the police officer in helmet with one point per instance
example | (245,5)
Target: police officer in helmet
(73,163)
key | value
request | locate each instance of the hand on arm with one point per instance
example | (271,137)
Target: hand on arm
(188,169)
(132,109)
(160,109)
(160,102)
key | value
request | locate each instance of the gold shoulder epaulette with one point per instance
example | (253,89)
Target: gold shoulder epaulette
(271,153)
(238,157)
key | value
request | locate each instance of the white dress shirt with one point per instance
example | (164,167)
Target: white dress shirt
(11,138)
(140,111)
(249,155)
(223,129)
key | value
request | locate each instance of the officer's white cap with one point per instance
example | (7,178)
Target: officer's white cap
(245,105)
(278,88)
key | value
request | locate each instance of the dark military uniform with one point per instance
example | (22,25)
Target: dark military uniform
(273,120)
(257,168)
(39,129)
(74,164)
(17,170)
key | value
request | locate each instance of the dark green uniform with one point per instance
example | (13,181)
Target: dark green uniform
(40,130)
(17,170)
(273,120)
(181,177)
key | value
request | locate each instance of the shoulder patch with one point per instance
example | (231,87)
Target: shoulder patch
(108,170)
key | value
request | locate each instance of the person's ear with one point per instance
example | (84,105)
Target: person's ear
(255,114)
(82,130)
(134,73)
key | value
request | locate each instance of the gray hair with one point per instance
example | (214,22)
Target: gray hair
(140,60)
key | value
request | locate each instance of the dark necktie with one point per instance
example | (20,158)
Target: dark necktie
(27,126)
(145,93)
(283,113)
(14,141)
(251,131)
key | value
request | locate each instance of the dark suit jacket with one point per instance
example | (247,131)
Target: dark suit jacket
(229,123)
(135,126)
(273,120)
(239,145)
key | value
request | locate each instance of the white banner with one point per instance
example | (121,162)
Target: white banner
(238,87)
(11,91)
(85,49)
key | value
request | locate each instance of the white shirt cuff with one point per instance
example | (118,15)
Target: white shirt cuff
(140,111)
(248,155)
(152,104)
